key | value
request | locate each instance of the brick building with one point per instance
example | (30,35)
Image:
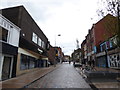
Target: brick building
(76,56)
(51,55)
(84,52)
(100,42)
(103,30)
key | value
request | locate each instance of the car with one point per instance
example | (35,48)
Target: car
(77,65)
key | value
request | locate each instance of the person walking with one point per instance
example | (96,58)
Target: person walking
(69,62)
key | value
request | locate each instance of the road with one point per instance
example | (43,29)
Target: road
(65,76)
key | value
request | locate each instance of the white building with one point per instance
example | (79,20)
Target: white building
(9,41)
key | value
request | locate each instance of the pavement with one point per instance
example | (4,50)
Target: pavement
(102,82)
(26,79)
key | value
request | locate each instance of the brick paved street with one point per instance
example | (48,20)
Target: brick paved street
(63,77)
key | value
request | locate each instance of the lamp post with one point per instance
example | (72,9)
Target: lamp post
(55,38)
(56,51)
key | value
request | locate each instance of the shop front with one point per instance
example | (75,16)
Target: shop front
(101,60)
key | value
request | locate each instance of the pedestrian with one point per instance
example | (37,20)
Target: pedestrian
(69,61)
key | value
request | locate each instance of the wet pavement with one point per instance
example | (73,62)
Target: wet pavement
(101,83)
(25,79)
(63,77)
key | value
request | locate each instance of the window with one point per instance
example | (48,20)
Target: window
(34,38)
(107,44)
(5,24)
(39,42)
(43,44)
(32,62)
(2,22)
(24,62)
(113,42)
(27,62)
(8,26)
(95,49)
(103,47)
(48,46)
(3,34)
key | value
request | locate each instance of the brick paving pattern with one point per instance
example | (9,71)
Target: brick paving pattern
(63,77)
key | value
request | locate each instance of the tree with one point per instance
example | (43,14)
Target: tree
(112,25)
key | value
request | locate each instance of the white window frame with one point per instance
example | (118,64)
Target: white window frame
(43,44)
(9,26)
(39,42)
(34,38)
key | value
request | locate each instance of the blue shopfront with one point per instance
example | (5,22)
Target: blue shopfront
(101,60)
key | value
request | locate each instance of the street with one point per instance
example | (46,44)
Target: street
(63,77)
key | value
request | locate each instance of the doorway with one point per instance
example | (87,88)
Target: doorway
(7,67)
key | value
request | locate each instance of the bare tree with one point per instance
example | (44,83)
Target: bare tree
(112,25)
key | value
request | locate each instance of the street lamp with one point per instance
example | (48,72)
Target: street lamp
(55,38)
(55,50)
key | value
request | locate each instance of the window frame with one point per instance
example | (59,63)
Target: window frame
(34,37)
(39,42)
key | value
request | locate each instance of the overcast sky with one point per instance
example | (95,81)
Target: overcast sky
(70,18)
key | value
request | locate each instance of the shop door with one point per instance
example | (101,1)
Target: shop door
(7,68)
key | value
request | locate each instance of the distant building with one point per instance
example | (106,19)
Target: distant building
(76,56)
(84,52)
(66,58)
(59,54)
(55,55)
(33,44)
(90,46)
(51,55)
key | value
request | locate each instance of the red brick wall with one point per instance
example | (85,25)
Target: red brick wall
(100,32)
(51,54)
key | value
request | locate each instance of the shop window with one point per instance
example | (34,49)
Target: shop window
(32,62)
(27,62)
(24,62)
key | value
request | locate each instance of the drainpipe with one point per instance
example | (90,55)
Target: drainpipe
(106,58)
(118,13)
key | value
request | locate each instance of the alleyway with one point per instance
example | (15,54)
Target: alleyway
(63,77)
